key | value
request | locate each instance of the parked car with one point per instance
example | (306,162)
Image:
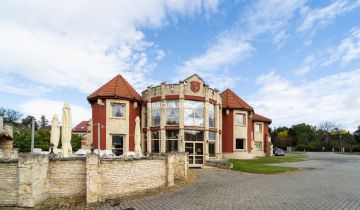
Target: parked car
(279,152)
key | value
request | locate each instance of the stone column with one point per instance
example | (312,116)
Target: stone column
(206,124)
(148,127)
(162,118)
(181,118)
(93,178)
(33,181)
(170,170)
(217,135)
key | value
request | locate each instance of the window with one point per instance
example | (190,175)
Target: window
(118,110)
(194,113)
(117,144)
(145,117)
(155,142)
(172,140)
(194,135)
(240,144)
(258,145)
(144,147)
(258,128)
(155,114)
(211,115)
(211,144)
(240,119)
(172,112)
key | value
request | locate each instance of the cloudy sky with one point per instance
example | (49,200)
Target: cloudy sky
(294,60)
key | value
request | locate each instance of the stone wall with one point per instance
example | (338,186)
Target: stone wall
(67,178)
(120,177)
(33,182)
(9,182)
(31,179)
(181,166)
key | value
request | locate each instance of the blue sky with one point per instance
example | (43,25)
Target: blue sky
(294,61)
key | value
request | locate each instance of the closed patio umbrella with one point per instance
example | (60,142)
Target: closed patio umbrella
(55,132)
(66,131)
(137,135)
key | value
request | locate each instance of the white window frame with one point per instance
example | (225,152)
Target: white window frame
(244,119)
(121,104)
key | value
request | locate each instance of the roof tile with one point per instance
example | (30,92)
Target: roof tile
(259,118)
(231,100)
(117,87)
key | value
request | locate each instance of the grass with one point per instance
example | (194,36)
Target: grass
(260,165)
(296,152)
(348,153)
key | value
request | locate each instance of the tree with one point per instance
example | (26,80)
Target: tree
(75,142)
(43,121)
(27,121)
(10,116)
(357,135)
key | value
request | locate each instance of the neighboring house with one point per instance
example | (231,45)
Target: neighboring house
(81,129)
(188,116)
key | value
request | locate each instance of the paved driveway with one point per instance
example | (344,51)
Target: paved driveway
(326,181)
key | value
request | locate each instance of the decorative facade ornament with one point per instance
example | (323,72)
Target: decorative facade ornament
(195,86)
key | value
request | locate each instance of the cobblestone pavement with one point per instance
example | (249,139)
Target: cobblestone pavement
(326,181)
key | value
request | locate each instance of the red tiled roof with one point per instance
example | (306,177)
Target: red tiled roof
(118,87)
(259,118)
(231,100)
(81,127)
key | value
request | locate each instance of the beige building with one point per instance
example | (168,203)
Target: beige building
(184,117)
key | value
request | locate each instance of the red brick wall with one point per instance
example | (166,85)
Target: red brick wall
(132,115)
(266,134)
(99,116)
(227,131)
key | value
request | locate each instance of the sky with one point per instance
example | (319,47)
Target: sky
(294,61)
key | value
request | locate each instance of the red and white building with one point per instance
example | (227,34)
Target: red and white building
(188,116)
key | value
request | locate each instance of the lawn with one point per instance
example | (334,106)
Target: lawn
(260,165)
(296,152)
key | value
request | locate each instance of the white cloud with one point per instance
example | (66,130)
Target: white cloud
(347,51)
(37,107)
(331,98)
(82,44)
(302,71)
(323,16)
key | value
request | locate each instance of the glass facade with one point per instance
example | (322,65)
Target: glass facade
(193,113)
(155,113)
(211,115)
(211,144)
(172,137)
(155,142)
(172,112)
(194,135)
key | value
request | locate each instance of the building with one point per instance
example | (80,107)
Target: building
(81,128)
(188,116)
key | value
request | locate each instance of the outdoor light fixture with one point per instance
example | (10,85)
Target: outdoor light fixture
(227,112)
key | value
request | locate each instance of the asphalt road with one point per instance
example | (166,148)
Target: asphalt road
(325,181)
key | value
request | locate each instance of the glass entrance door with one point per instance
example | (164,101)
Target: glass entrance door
(196,153)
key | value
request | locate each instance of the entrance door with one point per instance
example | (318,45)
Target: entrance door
(196,153)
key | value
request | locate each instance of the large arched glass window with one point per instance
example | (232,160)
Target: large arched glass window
(211,115)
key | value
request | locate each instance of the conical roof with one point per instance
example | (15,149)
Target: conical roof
(117,87)
(232,101)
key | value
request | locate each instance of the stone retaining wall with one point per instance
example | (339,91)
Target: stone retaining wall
(31,179)
(9,182)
